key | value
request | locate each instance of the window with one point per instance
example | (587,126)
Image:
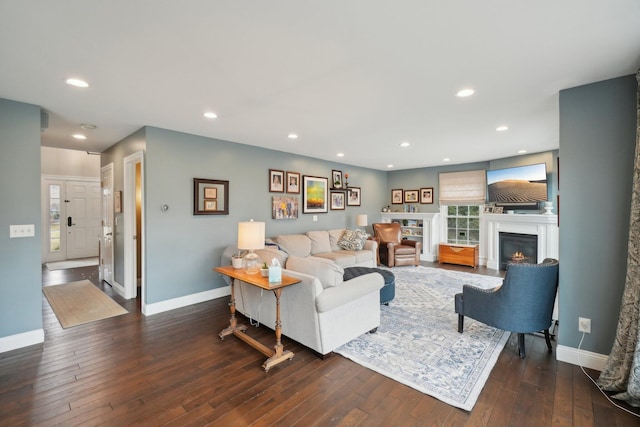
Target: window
(54,218)
(463,224)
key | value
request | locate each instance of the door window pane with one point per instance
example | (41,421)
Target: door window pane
(54,218)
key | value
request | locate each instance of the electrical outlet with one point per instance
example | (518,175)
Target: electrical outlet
(584,325)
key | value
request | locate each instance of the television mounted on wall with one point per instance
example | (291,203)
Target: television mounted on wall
(520,187)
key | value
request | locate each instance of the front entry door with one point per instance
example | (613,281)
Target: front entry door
(106,241)
(83,218)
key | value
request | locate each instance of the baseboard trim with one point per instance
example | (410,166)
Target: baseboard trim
(25,339)
(172,304)
(584,358)
(118,288)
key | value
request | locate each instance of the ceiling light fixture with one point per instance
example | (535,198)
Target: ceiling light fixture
(446,159)
(522,151)
(404,144)
(465,92)
(77,82)
(292,136)
(210,115)
(502,128)
(87,126)
(340,154)
(79,136)
(389,166)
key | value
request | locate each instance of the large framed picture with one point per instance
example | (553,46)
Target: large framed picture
(276,181)
(337,200)
(426,195)
(353,196)
(336,179)
(284,207)
(396,197)
(293,182)
(315,191)
(411,196)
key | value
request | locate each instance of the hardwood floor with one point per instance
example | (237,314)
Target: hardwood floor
(171,369)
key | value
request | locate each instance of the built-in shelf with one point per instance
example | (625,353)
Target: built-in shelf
(418,226)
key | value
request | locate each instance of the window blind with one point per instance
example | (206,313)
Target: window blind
(458,188)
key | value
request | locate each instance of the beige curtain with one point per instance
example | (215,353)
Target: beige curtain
(622,371)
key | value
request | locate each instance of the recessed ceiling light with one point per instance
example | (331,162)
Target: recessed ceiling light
(292,136)
(465,92)
(77,82)
(340,154)
(79,136)
(502,128)
(389,166)
(404,144)
(210,115)
(522,151)
(87,126)
(446,159)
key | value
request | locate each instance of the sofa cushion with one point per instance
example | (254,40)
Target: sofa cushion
(295,244)
(319,241)
(334,237)
(352,240)
(329,273)
(269,253)
(342,258)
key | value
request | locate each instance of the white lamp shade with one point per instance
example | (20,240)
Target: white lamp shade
(361,220)
(251,235)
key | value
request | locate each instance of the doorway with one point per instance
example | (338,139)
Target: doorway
(133,212)
(106,238)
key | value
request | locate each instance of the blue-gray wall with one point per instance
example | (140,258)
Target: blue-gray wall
(20,258)
(597,144)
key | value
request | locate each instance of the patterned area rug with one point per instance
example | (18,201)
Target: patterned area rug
(418,343)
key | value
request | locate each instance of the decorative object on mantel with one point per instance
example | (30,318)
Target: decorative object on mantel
(251,237)
(548,208)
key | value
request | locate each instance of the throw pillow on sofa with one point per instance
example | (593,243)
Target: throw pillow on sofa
(329,273)
(319,241)
(353,240)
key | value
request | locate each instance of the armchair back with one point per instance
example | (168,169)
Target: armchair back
(387,233)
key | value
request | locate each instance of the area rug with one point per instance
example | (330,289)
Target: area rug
(72,263)
(418,343)
(80,302)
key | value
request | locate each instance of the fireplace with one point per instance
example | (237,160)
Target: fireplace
(517,247)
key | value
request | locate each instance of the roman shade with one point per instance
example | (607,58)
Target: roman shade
(462,188)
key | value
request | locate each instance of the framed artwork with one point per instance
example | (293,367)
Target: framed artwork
(411,196)
(336,179)
(488,209)
(117,201)
(337,200)
(293,182)
(315,191)
(396,197)
(353,196)
(210,193)
(498,209)
(426,195)
(284,207)
(210,205)
(276,181)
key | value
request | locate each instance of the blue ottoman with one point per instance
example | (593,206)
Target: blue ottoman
(388,291)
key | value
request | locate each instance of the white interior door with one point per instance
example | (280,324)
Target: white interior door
(83,218)
(106,240)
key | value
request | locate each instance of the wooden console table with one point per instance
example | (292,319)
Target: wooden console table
(277,355)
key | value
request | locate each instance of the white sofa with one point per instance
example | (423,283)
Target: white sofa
(321,312)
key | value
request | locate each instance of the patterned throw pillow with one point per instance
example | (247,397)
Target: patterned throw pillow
(352,240)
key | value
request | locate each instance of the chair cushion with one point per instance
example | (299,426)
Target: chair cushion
(352,240)
(404,250)
(319,241)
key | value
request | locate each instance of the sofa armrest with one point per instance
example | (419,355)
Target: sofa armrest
(348,291)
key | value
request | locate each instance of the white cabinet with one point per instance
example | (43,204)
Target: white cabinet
(418,226)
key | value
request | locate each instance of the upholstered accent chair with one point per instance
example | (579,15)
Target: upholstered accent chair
(522,304)
(392,249)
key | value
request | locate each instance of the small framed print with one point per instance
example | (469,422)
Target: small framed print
(396,197)
(336,179)
(411,196)
(337,200)
(293,182)
(276,181)
(498,209)
(210,205)
(210,193)
(488,209)
(426,195)
(117,201)
(353,196)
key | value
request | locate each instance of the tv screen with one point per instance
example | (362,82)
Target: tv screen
(518,186)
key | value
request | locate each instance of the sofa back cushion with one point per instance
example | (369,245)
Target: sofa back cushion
(319,241)
(334,238)
(329,273)
(295,244)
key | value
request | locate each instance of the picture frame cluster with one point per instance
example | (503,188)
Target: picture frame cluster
(423,196)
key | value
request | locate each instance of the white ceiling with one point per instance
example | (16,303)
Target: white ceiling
(357,77)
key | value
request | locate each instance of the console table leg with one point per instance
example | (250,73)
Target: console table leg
(279,355)
(233,323)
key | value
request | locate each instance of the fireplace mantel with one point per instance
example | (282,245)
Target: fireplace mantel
(543,226)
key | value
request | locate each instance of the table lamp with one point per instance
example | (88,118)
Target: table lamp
(251,237)
(361,220)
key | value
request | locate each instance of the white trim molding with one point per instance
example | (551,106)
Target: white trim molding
(172,304)
(584,358)
(25,339)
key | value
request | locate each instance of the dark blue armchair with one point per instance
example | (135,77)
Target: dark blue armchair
(522,304)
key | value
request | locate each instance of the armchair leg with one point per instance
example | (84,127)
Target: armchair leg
(460,323)
(547,339)
(521,351)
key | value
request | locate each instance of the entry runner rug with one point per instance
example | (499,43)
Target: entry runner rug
(80,302)
(418,343)
(72,263)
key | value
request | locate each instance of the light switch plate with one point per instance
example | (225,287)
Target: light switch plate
(25,230)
